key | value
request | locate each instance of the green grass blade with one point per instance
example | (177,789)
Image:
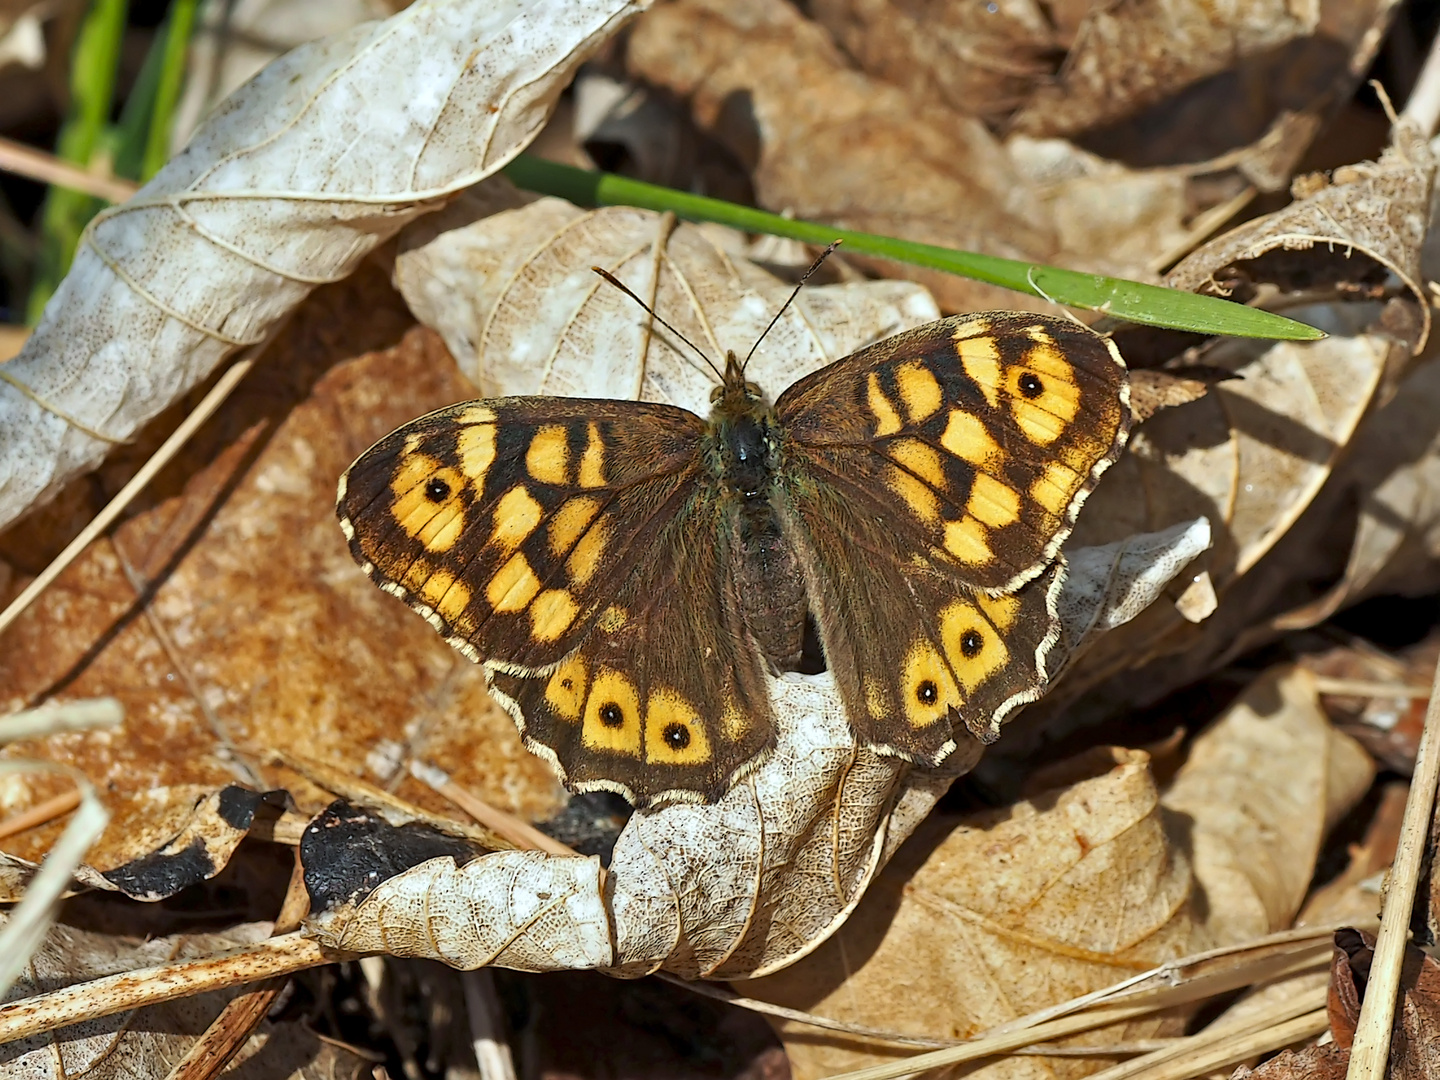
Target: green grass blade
(92,89)
(1130,300)
(179,25)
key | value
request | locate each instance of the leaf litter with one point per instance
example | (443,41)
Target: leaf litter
(226,617)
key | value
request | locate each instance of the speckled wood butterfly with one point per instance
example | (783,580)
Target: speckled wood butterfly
(629,573)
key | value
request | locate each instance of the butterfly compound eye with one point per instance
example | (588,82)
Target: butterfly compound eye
(437,490)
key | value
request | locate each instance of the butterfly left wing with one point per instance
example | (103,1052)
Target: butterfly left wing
(931,479)
(978,436)
(574,549)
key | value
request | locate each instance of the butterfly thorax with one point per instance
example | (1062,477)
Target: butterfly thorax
(746,455)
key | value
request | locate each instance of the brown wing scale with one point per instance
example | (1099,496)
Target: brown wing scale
(573,548)
(928,483)
(977,436)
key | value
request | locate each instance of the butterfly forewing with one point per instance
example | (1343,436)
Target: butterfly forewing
(977,436)
(575,549)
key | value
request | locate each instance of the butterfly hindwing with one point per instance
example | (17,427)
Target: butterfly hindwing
(977,436)
(912,648)
(575,549)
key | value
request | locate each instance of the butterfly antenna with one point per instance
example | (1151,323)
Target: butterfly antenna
(613,280)
(796,292)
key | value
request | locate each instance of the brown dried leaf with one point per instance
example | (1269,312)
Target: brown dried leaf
(771,86)
(255,629)
(979,59)
(982,919)
(1255,831)
(1130,55)
(1001,914)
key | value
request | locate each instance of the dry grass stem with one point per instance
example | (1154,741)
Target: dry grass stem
(507,826)
(22,160)
(1178,1060)
(1365,688)
(40,813)
(92,1000)
(103,520)
(1370,1052)
(487,1025)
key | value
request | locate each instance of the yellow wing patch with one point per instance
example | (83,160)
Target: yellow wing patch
(548,459)
(567,688)
(674,733)
(927,688)
(612,715)
(887,419)
(973,647)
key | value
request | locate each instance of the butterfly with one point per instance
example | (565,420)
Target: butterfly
(630,574)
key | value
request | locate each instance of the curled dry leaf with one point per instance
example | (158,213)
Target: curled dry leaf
(984,918)
(1377,211)
(267,201)
(734,889)
(152,1041)
(171,854)
(988,917)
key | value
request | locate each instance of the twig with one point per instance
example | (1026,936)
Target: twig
(1325,684)
(1422,108)
(40,813)
(487,1025)
(228,1032)
(22,160)
(507,826)
(112,994)
(103,520)
(1370,1052)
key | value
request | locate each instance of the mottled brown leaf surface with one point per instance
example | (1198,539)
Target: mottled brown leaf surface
(230,618)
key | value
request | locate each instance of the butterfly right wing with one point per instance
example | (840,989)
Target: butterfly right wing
(577,550)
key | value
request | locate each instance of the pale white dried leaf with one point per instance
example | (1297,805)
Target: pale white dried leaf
(512,292)
(323,155)
(735,889)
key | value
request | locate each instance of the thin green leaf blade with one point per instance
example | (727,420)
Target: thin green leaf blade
(1132,301)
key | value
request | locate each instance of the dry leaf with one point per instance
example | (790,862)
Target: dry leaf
(268,201)
(982,919)
(515,299)
(149,1042)
(1128,56)
(1255,832)
(734,889)
(253,628)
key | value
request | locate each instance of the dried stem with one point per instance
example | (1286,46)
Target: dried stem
(1370,1052)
